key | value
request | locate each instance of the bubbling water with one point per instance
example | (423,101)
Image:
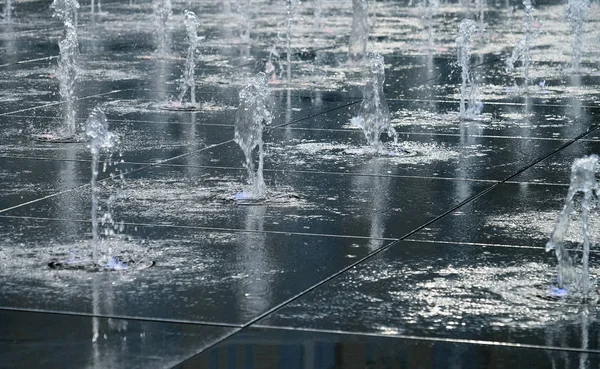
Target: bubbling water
(359,34)
(251,117)
(188,80)
(374,115)
(583,179)
(66,11)
(470,106)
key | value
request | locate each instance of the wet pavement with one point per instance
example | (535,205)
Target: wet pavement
(428,256)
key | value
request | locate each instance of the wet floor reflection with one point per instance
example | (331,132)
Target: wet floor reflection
(299,350)
(256,267)
(377,182)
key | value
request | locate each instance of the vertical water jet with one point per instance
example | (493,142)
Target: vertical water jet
(470,106)
(251,117)
(583,180)
(359,34)
(187,81)
(374,115)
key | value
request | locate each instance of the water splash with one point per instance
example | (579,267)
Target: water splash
(162,12)
(576,12)
(99,140)
(359,34)
(374,115)
(470,106)
(522,49)
(188,80)
(251,117)
(583,179)
(66,11)
(273,67)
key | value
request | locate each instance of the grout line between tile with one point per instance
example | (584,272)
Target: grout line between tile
(406,236)
(203,228)
(169,159)
(431,339)
(124,317)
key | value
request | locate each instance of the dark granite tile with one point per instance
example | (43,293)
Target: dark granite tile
(200,275)
(38,340)
(25,180)
(273,348)
(511,214)
(556,169)
(322,203)
(444,290)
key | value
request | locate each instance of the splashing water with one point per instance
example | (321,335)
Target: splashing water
(188,80)
(251,117)
(576,12)
(374,115)
(470,106)
(359,35)
(162,11)
(66,11)
(273,67)
(583,179)
(522,49)
(99,140)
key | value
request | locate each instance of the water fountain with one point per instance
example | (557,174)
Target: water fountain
(99,139)
(188,79)
(93,5)
(291,10)
(583,179)
(8,8)
(318,15)
(66,11)
(576,11)
(251,117)
(162,11)
(245,20)
(429,9)
(273,66)
(470,106)
(522,49)
(374,115)
(359,34)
